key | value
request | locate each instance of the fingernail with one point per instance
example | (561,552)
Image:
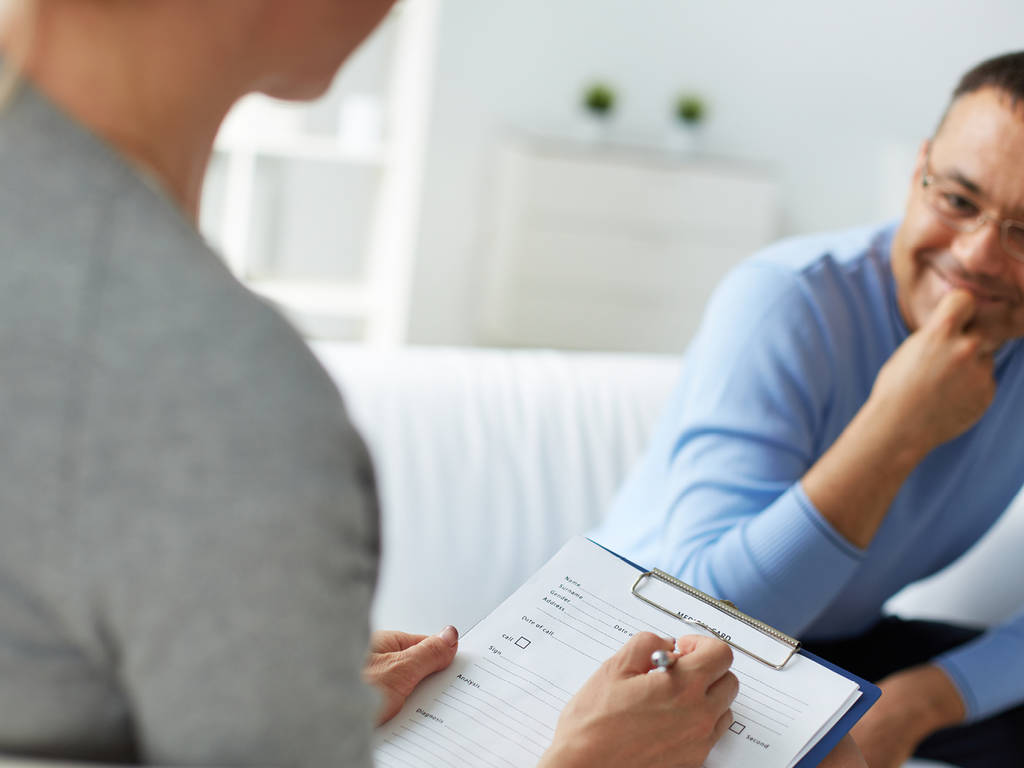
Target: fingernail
(450,635)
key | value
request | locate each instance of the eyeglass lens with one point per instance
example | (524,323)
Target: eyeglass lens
(965,213)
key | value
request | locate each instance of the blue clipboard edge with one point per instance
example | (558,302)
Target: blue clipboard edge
(869,694)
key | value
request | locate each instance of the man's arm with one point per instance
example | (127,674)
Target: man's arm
(845,755)
(970,682)
(915,703)
(753,513)
(936,386)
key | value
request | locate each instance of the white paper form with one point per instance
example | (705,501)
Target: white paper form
(498,703)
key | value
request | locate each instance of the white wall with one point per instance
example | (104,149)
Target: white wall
(832,98)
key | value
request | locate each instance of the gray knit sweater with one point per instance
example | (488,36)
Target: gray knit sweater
(188,527)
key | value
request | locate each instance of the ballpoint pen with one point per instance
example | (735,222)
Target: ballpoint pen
(662,659)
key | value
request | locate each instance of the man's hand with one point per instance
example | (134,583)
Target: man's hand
(915,703)
(939,382)
(936,385)
(845,755)
(398,662)
(628,715)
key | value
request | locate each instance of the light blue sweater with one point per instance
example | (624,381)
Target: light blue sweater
(788,350)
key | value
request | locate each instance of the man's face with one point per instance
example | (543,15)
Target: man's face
(979,152)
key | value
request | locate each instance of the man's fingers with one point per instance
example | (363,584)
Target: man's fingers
(988,347)
(634,658)
(954,311)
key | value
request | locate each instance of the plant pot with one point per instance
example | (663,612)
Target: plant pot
(594,128)
(685,137)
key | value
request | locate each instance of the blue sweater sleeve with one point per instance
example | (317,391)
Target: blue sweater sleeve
(757,386)
(982,669)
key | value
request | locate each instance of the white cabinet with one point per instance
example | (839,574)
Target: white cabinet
(601,247)
(316,206)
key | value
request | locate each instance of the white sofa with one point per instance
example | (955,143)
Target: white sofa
(489,460)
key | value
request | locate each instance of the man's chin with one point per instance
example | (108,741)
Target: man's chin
(996,325)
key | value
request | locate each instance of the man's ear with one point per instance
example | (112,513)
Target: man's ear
(919,161)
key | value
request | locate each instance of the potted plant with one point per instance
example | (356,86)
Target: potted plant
(599,99)
(690,111)
(598,102)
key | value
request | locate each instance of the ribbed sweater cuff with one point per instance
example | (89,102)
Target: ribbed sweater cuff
(988,671)
(790,561)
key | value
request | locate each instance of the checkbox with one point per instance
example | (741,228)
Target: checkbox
(522,642)
(737,727)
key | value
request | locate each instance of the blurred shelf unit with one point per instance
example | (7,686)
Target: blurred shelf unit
(602,247)
(316,206)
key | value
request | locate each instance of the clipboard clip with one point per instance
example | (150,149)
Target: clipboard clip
(722,605)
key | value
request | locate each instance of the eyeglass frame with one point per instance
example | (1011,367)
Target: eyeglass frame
(983,217)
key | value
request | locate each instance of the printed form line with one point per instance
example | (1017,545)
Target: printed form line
(527,669)
(579,631)
(755,722)
(520,734)
(649,627)
(772,687)
(431,752)
(530,682)
(767,706)
(745,701)
(484,725)
(617,638)
(473,757)
(414,756)
(529,693)
(517,709)
(476,743)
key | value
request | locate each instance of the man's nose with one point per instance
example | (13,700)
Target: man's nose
(981,251)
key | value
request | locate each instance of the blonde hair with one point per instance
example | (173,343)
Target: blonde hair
(17,46)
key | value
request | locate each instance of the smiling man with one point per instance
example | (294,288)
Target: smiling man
(848,422)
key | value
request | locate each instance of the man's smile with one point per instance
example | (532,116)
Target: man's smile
(986,290)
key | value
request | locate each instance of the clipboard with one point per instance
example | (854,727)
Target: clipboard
(791,645)
(870,692)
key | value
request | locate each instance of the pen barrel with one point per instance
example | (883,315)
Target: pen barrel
(662,659)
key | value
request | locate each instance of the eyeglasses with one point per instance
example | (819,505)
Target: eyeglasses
(964,212)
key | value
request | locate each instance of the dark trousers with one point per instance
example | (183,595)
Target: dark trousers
(895,644)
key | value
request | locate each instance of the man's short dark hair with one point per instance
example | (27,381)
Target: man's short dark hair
(1004,72)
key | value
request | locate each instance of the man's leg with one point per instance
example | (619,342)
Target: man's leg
(895,644)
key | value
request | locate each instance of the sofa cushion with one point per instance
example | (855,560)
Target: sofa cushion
(488,461)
